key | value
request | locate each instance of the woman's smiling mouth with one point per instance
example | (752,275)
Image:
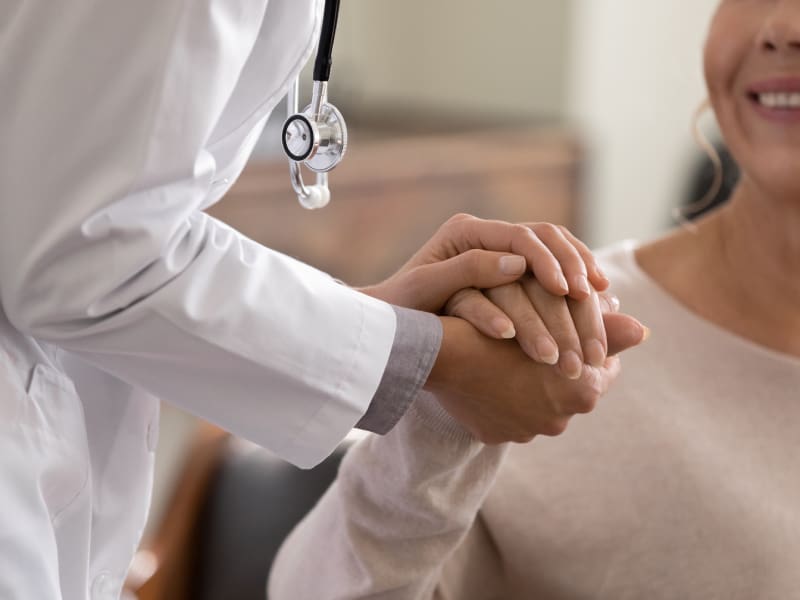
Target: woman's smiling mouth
(777,99)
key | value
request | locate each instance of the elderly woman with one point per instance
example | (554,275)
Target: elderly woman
(683,482)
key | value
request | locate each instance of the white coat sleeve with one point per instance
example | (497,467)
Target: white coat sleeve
(106,108)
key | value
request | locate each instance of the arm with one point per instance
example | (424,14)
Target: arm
(104,250)
(401,506)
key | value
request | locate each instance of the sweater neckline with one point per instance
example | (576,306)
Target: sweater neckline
(627,251)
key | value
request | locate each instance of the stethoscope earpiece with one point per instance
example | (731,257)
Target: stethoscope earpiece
(318,196)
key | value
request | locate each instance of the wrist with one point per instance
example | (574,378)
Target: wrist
(379,292)
(440,376)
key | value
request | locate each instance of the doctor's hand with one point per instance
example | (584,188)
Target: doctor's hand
(498,394)
(467,252)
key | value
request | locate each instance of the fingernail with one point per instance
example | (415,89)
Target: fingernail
(562,282)
(614,302)
(600,273)
(582,284)
(512,265)
(504,328)
(547,350)
(594,353)
(571,364)
(646,333)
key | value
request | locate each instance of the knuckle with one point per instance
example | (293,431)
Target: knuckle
(454,225)
(458,304)
(471,262)
(528,325)
(587,401)
(522,231)
(548,230)
(502,292)
(589,395)
(562,330)
(459,218)
(412,280)
(555,427)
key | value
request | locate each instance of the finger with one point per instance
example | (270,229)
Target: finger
(472,306)
(433,284)
(600,380)
(532,334)
(555,313)
(596,275)
(464,232)
(588,320)
(613,368)
(582,396)
(623,332)
(609,303)
(571,261)
(594,272)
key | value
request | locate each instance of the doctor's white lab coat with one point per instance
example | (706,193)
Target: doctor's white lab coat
(120,121)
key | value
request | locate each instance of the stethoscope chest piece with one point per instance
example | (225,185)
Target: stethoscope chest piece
(318,141)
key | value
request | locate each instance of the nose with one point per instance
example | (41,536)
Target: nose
(781,31)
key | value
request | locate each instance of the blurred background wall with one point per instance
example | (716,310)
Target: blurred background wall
(463,58)
(624,75)
(635,78)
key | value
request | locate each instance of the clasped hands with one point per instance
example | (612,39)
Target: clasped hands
(537,283)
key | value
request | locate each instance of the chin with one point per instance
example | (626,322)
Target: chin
(777,178)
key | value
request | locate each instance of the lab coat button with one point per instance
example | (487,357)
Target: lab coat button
(104,587)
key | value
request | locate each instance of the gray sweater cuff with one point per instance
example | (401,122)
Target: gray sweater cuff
(416,345)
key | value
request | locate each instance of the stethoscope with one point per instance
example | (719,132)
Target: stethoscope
(316,137)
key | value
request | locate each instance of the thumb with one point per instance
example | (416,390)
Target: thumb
(623,332)
(433,284)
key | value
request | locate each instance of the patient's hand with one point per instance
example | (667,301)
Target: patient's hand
(553,329)
(498,394)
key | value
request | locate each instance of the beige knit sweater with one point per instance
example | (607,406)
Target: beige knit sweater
(682,484)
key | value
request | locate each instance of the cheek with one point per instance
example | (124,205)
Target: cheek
(727,47)
(721,58)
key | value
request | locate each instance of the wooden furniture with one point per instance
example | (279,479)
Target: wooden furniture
(234,504)
(162,568)
(390,196)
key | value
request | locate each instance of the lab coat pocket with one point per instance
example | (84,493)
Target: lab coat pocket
(54,426)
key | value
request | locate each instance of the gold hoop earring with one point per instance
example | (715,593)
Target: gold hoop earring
(680,213)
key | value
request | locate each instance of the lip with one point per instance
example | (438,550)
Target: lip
(775,84)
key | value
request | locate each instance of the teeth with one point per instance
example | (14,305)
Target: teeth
(780,99)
